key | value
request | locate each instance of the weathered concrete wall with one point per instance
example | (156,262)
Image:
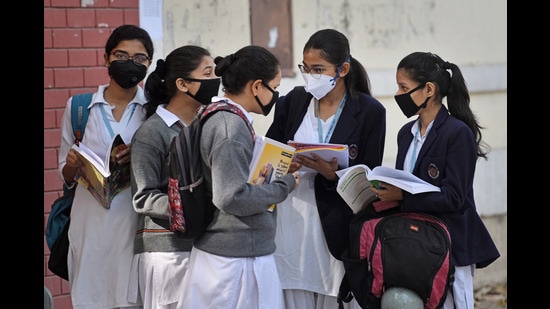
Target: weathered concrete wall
(470,33)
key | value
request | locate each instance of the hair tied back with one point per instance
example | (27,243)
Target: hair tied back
(159,70)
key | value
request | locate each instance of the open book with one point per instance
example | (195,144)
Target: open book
(326,151)
(270,160)
(355,182)
(102,177)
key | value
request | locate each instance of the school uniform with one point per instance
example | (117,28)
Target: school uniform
(101,239)
(447,159)
(313,222)
(231,264)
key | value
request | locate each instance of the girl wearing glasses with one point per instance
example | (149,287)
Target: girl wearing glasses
(334,106)
(101,239)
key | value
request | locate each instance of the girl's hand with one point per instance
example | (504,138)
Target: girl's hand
(72,160)
(121,153)
(326,168)
(387,192)
(294,166)
(297,178)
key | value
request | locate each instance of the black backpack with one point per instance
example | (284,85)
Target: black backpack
(396,249)
(190,206)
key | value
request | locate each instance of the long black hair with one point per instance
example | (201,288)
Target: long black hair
(423,67)
(335,49)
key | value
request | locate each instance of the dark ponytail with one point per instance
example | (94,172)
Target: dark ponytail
(424,67)
(161,83)
(335,49)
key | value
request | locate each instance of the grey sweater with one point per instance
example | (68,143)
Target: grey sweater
(150,167)
(242,226)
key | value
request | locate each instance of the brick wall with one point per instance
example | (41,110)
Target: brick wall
(75,32)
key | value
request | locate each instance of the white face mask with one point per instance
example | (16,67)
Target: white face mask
(319,87)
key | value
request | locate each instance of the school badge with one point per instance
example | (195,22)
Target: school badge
(433,171)
(353,150)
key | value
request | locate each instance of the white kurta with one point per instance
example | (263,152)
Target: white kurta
(101,240)
(157,278)
(304,262)
(302,255)
(214,281)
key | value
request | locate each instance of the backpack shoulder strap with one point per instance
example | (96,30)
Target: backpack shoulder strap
(206,111)
(79,114)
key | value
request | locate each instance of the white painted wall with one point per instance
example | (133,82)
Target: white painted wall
(470,33)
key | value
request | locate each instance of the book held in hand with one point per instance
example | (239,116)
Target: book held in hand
(325,151)
(270,160)
(355,182)
(104,178)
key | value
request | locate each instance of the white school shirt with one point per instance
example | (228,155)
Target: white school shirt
(101,240)
(419,141)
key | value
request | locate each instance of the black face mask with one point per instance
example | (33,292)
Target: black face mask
(208,89)
(267,108)
(127,73)
(406,103)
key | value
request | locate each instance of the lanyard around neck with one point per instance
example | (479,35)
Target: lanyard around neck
(334,120)
(108,123)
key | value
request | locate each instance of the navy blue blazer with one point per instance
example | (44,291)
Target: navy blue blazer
(362,126)
(448,159)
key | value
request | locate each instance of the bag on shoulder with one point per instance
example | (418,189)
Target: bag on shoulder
(59,250)
(57,226)
(403,249)
(190,207)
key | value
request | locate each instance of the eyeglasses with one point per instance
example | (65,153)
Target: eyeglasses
(122,55)
(315,72)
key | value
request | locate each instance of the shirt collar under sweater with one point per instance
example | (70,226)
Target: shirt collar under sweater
(228,100)
(167,116)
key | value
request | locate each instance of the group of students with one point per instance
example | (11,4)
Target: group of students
(249,257)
